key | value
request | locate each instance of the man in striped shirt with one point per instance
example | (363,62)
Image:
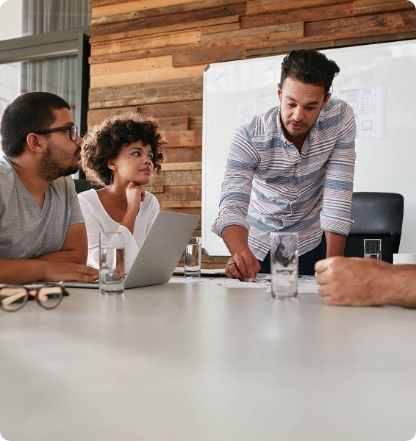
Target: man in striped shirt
(290,169)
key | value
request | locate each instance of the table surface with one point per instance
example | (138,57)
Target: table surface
(200,361)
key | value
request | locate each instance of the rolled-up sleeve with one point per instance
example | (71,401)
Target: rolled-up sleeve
(339,179)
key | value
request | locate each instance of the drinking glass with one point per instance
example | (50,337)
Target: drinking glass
(112,262)
(192,261)
(372,248)
(284,265)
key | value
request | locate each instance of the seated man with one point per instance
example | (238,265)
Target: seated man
(366,282)
(42,230)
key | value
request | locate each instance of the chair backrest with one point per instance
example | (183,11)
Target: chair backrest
(82,185)
(376,216)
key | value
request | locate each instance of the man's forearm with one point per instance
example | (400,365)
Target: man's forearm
(335,244)
(399,286)
(22,271)
(235,238)
(68,256)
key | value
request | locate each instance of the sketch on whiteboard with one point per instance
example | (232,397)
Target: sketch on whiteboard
(248,108)
(370,109)
(368,103)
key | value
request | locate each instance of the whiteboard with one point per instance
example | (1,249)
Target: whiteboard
(385,164)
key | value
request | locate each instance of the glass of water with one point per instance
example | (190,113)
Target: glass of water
(284,265)
(112,262)
(372,248)
(192,258)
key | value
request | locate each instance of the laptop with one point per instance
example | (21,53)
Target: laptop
(160,253)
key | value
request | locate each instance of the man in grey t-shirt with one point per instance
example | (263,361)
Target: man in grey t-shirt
(42,230)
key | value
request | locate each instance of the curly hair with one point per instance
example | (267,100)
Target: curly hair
(103,143)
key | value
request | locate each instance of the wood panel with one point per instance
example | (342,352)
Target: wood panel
(165,110)
(188,138)
(185,89)
(133,76)
(363,25)
(166,20)
(114,8)
(303,15)
(149,56)
(208,54)
(188,154)
(166,29)
(154,11)
(362,7)
(147,42)
(255,7)
(170,166)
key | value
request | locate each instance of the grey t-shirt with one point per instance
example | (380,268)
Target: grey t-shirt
(26,230)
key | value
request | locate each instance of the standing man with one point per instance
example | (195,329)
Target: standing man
(42,230)
(290,169)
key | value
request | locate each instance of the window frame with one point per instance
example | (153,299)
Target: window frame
(56,44)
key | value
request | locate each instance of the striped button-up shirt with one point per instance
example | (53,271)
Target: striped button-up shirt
(270,186)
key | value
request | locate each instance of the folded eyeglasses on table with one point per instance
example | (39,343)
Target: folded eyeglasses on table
(14,297)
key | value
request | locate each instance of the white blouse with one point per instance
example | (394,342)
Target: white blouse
(97,219)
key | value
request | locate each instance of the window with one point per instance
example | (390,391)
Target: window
(44,46)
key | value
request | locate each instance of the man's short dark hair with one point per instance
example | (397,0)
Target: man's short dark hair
(309,67)
(103,143)
(28,113)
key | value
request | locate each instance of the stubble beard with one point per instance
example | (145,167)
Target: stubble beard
(50,167)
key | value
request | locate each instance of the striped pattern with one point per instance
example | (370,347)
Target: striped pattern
(268,186)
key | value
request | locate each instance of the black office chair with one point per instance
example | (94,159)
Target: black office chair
(376,216)
(82,185)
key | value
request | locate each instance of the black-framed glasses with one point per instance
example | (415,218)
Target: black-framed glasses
(13,298)
(72,129)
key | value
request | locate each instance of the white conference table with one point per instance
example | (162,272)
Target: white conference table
(205,362)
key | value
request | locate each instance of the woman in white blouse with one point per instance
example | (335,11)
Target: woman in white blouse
(121,154)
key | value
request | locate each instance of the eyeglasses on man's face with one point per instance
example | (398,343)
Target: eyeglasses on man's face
(72,129)
(13,298)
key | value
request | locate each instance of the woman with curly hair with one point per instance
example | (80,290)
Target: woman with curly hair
(120,154)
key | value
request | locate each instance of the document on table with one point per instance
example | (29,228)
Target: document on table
(306,284)
(234,283)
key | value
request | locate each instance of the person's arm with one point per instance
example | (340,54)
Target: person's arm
(23,271)
(73,250)
(366,282)
(338,187)
(335,244)
(245,266)
(231,224)
(135,195)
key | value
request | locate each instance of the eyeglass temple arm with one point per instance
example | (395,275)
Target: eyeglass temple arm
(10,299)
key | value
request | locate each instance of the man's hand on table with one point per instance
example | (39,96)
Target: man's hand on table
(243,266)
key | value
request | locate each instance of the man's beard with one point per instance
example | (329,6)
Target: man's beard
(50,167)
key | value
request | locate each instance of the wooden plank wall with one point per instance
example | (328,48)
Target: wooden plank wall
(150,55)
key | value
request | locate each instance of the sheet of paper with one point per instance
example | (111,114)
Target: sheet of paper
(234,283)
(187,279)
(306,284)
